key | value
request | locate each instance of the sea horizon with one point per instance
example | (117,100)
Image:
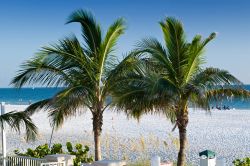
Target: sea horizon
(29,95)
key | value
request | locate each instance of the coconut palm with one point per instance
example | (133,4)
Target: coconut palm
(86,71)
(16,120)
(171,78)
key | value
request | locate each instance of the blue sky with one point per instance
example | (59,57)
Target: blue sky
(29,24)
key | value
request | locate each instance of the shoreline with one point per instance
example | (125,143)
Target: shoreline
(23,105)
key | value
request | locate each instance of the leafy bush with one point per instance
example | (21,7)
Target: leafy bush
(57,149)
(81,154)
(38,152)
(242,162)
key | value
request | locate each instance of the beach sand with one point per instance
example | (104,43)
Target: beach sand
(225,132)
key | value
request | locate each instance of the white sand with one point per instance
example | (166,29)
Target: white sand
(225,132)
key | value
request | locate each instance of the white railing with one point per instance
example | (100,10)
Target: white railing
(53,164)
(23,161)
(30,161)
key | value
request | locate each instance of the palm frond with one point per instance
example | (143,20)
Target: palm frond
(91,31)
(158,55)
(65,104)
(17,119)
(212,83)
(38,71)
(110,40)
(212,77)
(176,44)
(38,106)
(106,60)
(130,63)
(68,103)
(56,65)
(196,58)
(72,57)
(228,92)
(198,97)
(139,94)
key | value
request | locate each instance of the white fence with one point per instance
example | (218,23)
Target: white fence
(30,161)
(23,161)
(53,164)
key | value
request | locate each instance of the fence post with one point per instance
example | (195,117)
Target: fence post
(155,161)
(3,135)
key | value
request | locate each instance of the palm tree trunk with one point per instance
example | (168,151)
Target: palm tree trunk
(182,126)
(97,139)
(97,129)
(183,141)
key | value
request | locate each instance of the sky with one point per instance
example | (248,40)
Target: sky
(27,25)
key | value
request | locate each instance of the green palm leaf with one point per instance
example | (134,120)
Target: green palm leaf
(17,119)
(91,31)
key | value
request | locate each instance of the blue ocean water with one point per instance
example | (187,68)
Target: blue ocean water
(31,95)
(26,95)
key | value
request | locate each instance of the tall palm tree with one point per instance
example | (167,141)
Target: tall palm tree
(85,71)
(170,77)
(16,120)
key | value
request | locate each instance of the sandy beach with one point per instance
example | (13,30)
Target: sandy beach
(225,132)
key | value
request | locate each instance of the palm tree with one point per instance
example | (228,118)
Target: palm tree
(85,71)
(18,119)
(170,77)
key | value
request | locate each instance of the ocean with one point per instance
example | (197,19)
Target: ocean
(26,96)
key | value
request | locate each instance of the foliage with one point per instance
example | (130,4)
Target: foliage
(57,149)
(170,77)
(86,69)
(242,162)
(41,151)
(80,153)
(17,119)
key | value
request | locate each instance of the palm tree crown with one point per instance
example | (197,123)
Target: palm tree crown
(86,71)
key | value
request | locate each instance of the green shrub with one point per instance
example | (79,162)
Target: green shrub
(38,152)
(57,149)
(242,162)
(81,153)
